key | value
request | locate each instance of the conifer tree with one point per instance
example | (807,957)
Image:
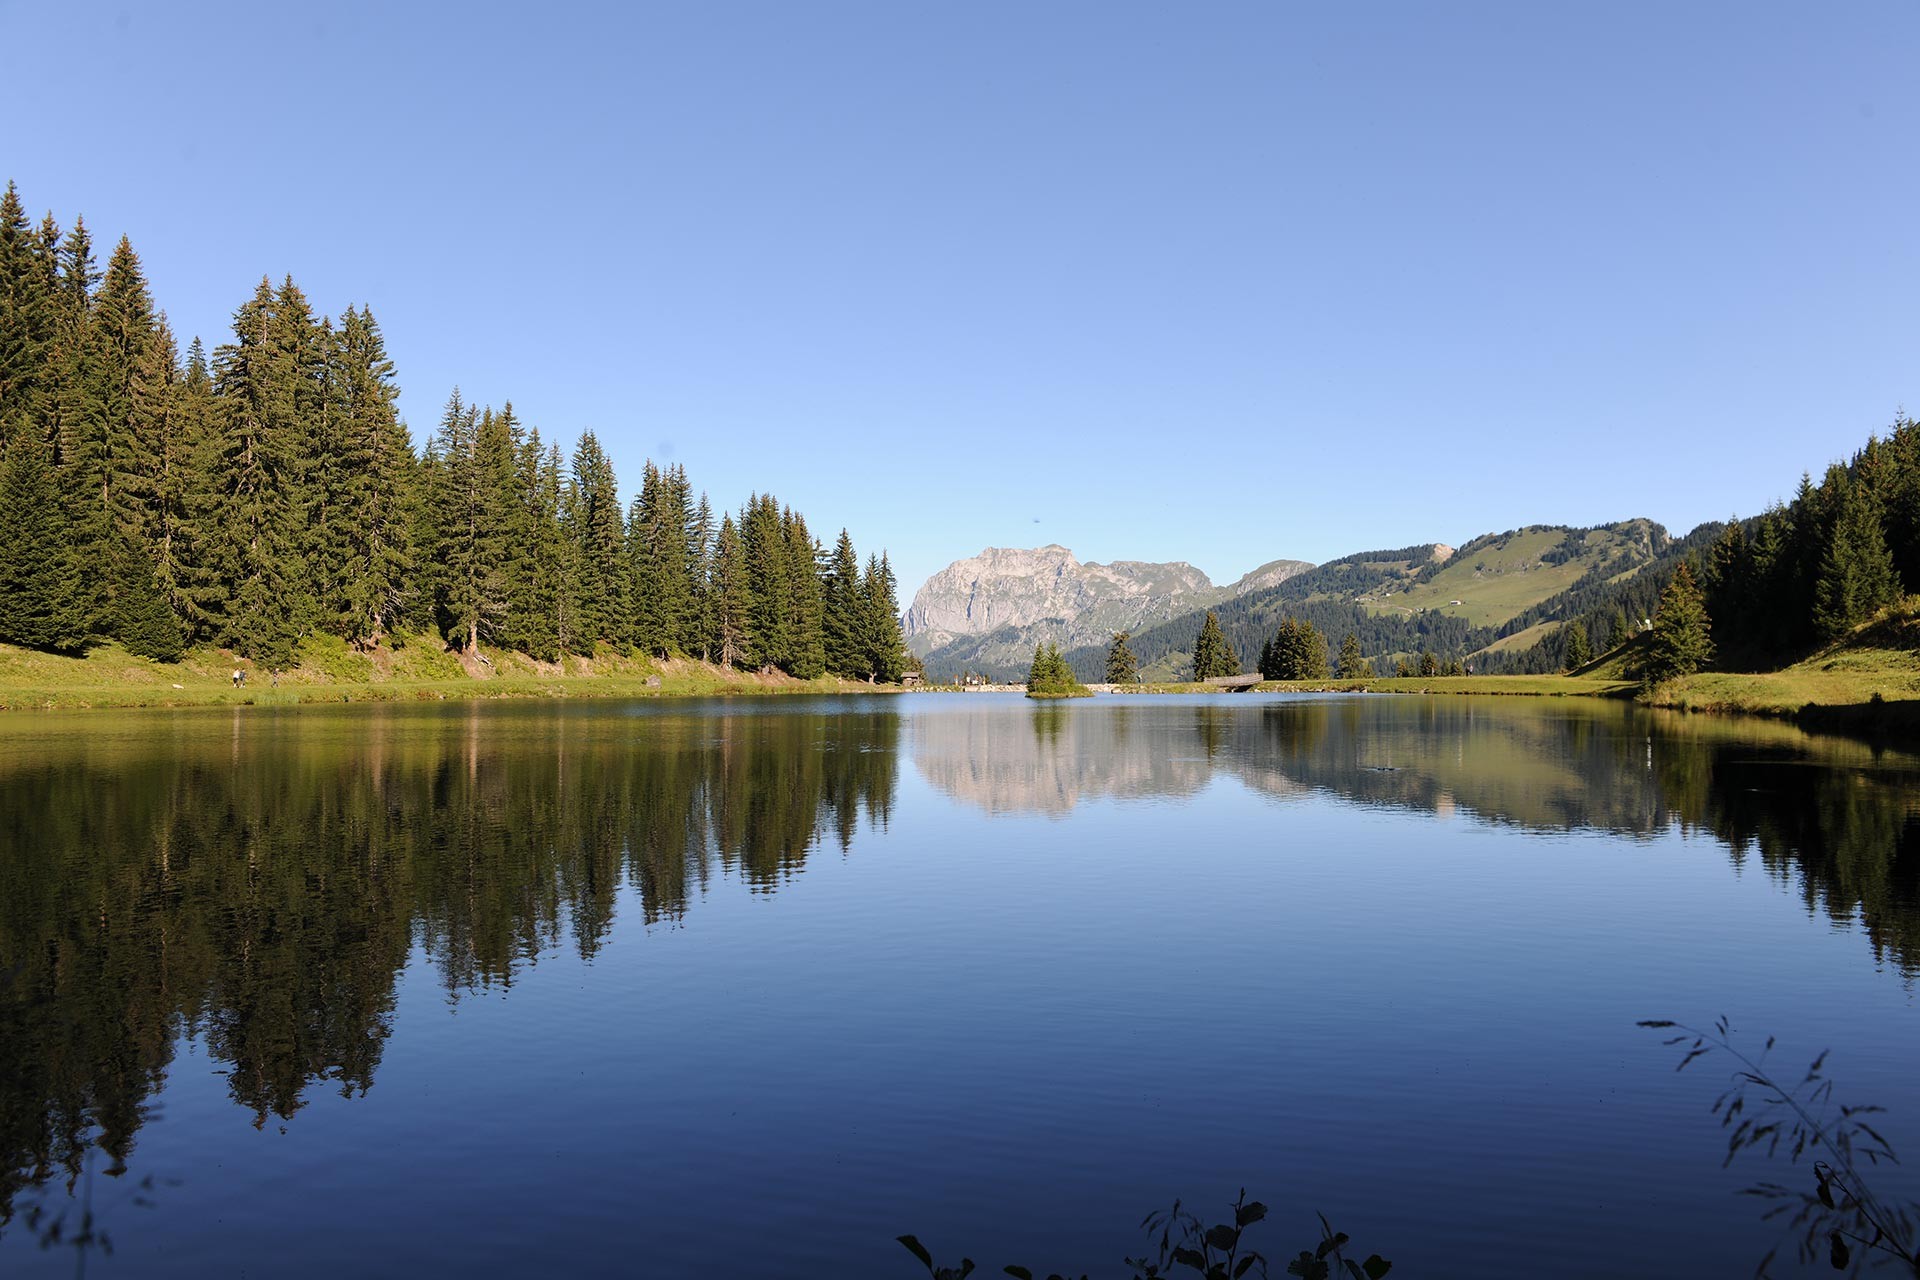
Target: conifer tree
(142,618)
(1619,630)
(769,640)
(600,534)
(458,501)
(1578,653)
(886,650)
(730,606)
(559,557)
(24,314)
(806,615)
(1212,655)
(1680,642)
(1429,663)
(36,573)
(699,621)
(248,576)
(1855,577)
(1122,666)
(1353,665)
(842,607)
(373,565)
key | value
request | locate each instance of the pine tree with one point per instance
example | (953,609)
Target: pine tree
(1855,577)
(142,618)
(769,607)
(248,576)
(371,559)
(1353,665)
(1212,655)
(599,534)
(1680,642)
(807,606)
(1429,663)
(1574,643)
(459,550)
(26,316)
(1297,652)
(1050,676)
(1122,666)
(730,606)
(886,653)
(841,610)
(700,549)
(1619,630)
(37,608)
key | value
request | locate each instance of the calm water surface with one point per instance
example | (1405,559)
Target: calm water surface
(749,988)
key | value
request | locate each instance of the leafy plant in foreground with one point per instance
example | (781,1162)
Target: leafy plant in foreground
(1187,1245)
(1841,1214)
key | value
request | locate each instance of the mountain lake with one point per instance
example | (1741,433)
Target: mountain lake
(751,987)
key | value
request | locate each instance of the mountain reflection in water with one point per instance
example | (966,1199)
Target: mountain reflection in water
(258,881)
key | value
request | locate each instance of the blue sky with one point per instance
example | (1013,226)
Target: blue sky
(1221,283)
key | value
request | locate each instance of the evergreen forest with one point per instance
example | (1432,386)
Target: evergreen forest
(266,491)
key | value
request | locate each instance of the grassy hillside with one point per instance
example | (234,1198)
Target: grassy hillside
(1496,578)
(1879,661)
(419,669)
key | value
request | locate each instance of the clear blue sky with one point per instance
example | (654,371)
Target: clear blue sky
(1220,283)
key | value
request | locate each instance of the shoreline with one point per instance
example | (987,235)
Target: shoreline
(109,679)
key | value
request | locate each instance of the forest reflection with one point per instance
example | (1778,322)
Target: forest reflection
(1836,819)
(260,884)
(258,881)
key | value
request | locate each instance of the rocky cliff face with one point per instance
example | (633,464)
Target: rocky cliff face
(1045,594)
(1005,587)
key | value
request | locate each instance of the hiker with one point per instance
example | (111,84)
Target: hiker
(238,676)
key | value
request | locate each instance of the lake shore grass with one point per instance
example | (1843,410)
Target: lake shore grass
(419,670)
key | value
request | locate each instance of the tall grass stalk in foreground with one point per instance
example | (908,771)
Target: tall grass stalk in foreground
(1842,1213)
(1188,1246)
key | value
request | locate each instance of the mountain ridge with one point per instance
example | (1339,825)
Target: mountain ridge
(1027,595)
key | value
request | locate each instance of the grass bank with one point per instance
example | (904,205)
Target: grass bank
(1869,679)
(419,669)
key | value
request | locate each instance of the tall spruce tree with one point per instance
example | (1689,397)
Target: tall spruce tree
(841,609)
(1212,655)
(1574,646)
(1353,664)
(248,578)
(730,596)
(600,536)
(1681,641)
(886,652)
(373,559)
(1855,576)
(769,641)
(1122,666)
(37,608)
(806,615)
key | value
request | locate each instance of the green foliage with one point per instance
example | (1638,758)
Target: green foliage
(274,495)
(1212,655)
(885,651)
(1680,642)
(142,619)
(1578,652)
(1843,1215)
(1122,666)
(1298,652)
(37,605)
(1353,666)
(1051,677)
(1429,663)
